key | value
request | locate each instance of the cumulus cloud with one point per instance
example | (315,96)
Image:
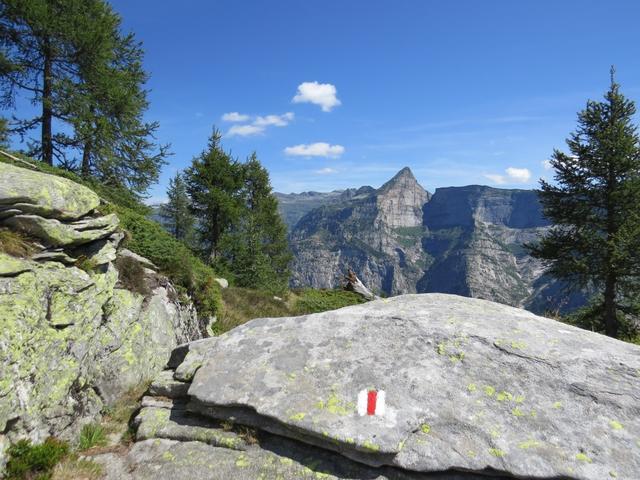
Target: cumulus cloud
(512,175)
(326,171)
(235,117)
(322,94)
(258,125)
(274,120)
(319,149)
(495,178)
(245,130)
(518,175)
(546,164)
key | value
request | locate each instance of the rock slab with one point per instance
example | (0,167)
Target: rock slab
(470,385)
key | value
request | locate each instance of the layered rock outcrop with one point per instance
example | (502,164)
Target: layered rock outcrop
(73,337)
(465,389)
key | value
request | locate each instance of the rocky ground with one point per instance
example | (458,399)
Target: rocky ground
(473,390)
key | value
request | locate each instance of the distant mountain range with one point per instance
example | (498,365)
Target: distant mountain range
(401,239)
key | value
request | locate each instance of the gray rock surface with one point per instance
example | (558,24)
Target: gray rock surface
(470,386)
(164,385)
(71,340)
(31,192)
(55,233)
(274,459)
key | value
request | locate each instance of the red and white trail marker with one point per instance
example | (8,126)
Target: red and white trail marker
(371,402)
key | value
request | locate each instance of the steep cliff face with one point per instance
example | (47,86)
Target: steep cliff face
(464,240)
(375,232)
(75,335)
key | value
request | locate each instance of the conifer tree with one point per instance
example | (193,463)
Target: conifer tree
(175,213)
(255,249)
(213,183)
(71,58)
(593,205)
(43,43)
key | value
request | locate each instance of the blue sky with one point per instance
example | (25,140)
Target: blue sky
(462,92)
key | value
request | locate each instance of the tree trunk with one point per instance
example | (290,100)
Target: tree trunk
(86,160)
(610,313)
(47,111)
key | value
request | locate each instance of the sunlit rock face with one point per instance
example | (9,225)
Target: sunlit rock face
(73,338)
(399,239)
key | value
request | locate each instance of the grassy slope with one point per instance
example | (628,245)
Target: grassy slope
(242,305)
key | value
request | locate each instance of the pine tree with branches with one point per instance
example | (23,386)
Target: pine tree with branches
(594,206)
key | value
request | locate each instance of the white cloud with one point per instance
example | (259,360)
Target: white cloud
(274,120)
(323,94)
(325,171)
(546,164)
(513,175)
(320,149)
(245,130)
(259,124)
(235,117)
(497,179)
(519,175)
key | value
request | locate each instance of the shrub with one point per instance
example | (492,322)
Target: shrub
(173,258)
(92,435)
(27,461)
(15,244)
(131,275)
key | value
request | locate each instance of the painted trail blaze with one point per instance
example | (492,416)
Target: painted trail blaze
(371,402)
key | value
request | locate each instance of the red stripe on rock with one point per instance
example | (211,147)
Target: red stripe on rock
(372,396)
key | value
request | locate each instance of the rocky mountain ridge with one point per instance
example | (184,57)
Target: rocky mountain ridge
(401,239)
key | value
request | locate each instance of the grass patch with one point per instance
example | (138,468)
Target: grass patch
(15,244)
(117,417)
(74,468)
(92,435)
(34,462)
(313,301)
(243,304)
(131,275)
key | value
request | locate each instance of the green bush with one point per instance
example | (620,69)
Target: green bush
(173,258)
(34,462)
(92,435)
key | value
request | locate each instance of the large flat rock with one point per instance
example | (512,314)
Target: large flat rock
(470,386)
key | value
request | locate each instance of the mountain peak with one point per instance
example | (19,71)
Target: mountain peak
(403,179)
